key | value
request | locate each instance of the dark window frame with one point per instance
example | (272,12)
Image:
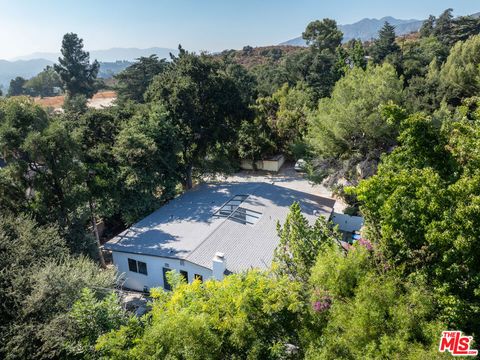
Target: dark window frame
(142,269)
(134,266)
(166,285)
(184,273)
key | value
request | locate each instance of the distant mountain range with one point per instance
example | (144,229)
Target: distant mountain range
(367,29)
(30,68)
(24,68)
(111,61)
(108,55)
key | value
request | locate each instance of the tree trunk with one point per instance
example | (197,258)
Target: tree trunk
(97,237)
(189,181)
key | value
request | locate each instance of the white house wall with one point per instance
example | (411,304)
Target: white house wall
(155,265)
(347,223)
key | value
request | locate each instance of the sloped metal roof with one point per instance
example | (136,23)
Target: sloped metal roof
(186,227)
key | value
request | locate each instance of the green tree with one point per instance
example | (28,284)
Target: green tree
(280,123)
(448,30)
(421,209)
(77,74)
(360,310)
(270,77)
(146,150)
(443,27)
(17,86)
(354,54)
(423,145)
(204,104)
(43,163)
(323,35)
(39,283)
(245,82)
(255,140)
(95,133)
(290,121)
(18,117)
(135,79)
(464,27)
(322,73)
(385,45)
(351,119)
(460,75)
(76,105)
(422,93)
(417,55)
(88,319)
(57,176)
(44,84)
(300,244)
(250,315)
(428,27)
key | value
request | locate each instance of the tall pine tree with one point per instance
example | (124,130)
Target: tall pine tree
(77,74)
(385,44)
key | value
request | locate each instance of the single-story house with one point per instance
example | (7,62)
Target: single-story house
(208,232)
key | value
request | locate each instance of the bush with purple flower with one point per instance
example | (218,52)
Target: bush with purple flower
(323,303)
(366,244)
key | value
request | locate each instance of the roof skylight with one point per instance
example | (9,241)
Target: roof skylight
(232,210)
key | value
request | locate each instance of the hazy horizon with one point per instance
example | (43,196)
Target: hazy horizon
(211,25)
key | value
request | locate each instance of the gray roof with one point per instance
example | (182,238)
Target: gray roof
(186,228)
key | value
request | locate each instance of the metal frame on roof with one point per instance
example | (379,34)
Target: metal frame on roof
(232,210)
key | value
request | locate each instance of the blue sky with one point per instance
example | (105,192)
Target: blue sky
(28,26)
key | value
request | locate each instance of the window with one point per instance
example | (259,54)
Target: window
(184,275)
(231,205)
(142,268)
(199,277)
(245,216)
(132,265)
(137,266)
(232,210)
(166,285)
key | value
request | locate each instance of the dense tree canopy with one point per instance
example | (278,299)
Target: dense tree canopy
(417,210)
(250,316)
(351,119)
(460,74)
(46,83)
(385,45)
(135,79)
(323,35)
(17,86)
(39,283)
(204,104)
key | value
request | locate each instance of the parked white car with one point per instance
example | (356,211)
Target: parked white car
(300,165)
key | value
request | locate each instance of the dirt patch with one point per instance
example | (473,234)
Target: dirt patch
(99,100)
(52,101)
